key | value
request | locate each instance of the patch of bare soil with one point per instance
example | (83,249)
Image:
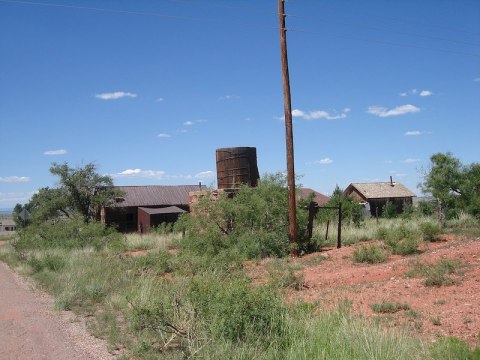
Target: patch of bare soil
(434,311)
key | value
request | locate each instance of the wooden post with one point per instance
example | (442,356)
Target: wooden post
(326,233)
(292,205)
(339,238)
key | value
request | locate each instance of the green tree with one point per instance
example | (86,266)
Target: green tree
(456,186)
(81,191)
(351,209)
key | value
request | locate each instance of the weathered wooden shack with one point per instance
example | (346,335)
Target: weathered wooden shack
(144,207)
(377,194)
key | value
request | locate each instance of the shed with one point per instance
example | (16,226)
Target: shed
(377,194)
(158,203)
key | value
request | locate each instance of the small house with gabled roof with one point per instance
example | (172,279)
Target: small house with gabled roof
(377,194)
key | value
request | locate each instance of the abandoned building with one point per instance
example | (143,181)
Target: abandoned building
(376,195)
(7,225)
(144,207)
(319,198)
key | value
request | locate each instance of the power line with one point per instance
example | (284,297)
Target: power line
(249,25)
(396,31)
(384,42)
(137,13)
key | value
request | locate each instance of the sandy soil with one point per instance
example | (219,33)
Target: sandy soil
(30,328)
(434,311)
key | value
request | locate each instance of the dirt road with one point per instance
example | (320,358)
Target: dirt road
(30,328)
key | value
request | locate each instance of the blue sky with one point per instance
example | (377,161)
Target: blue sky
(148,90)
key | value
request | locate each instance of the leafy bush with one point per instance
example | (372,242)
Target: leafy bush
(254,222)
(371,254)
(389,210)
(71,233)
(401,240)
(430,231)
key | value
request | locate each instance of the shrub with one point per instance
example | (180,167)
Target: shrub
(48,261)
(430,231)
(451,348)
(438,274)
(71,233)
(390,210)
(371,254)
(388,307)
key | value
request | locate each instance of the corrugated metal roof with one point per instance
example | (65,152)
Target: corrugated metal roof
(319,198)
(165,210)
(155,195)
(381,190)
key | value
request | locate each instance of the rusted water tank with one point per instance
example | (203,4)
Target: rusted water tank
(235,166)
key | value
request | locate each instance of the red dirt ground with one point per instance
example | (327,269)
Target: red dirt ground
(435,311)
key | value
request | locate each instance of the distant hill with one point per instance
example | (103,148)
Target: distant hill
(6,213)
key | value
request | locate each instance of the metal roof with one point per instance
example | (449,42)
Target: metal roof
(319,198)
(380,190)
(165,210)
(155,195)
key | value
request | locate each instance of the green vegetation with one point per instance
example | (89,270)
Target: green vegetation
(451,348)
(370,254)
(166,296)
(389,307)
(439,274)
(455,185)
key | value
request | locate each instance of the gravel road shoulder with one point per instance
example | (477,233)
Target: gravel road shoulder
(30,328)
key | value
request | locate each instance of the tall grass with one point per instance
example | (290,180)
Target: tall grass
(352,234)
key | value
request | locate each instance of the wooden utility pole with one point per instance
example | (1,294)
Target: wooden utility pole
(292,204)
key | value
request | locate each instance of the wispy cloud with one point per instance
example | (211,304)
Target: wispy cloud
(152,174)
(164,136)
(324,161)
(388,162)
(205,174)
(410,160)
(417,133)
(399,110)
(229,97)
(422,93)
(55,152)
(397,174)
(320,114)
(115,95)
(188,123)
(476,79)
(14,179)
(160,99)
(12,198)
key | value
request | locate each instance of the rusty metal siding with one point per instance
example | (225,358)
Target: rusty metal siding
(236,166)
(143,221)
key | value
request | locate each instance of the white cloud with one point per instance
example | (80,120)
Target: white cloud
(324,161)
(426,93)
(151,174)
(476,79)
(14,179)
(399,110)
(403,94)
(188,123)
(229,97)
(164,135)
(204,174)
(388,162)
(320,114)
(115,95)
(55,152)
(413,91)
(12,198)
(413,133)
(409,161)
(160,99)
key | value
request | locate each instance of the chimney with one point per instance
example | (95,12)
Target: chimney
(391,181)
(200,185)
